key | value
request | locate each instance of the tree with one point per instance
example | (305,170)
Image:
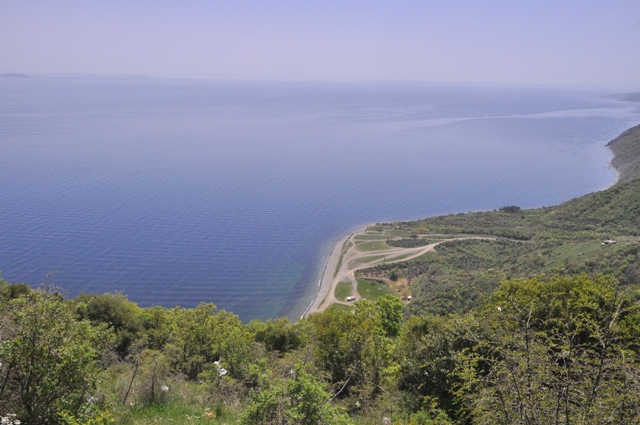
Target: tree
(233,344)
(356,347)
(300,400)
(199,337)
(426,354)
(553,351)
(117,312)
(191,338)
(389,315)
(278,335)
(511,209)
(49,358)
(10,291)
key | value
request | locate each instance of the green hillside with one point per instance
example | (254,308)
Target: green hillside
(626,149)
(557,241)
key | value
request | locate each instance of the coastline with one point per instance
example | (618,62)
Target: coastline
(328,264)
(325,283)
(324,293)
(624,170)
(610,164)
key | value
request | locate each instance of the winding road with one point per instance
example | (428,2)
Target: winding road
(336,271)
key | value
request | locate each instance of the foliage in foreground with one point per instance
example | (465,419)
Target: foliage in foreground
(49,359)
(560,351)
(538,351)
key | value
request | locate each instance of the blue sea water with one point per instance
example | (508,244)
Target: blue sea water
(181,192)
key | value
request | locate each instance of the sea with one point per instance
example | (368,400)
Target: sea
(179,192)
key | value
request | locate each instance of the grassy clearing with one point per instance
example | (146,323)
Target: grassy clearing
(370,258)
(185,403)
(373,246)
(400,257)
(400,287)
(343,290)
(365,260)
(372,289)
(369,237)
(427,256)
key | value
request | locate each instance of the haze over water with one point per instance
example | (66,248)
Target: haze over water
(180,192)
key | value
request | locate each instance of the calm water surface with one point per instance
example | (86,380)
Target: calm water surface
(179,192)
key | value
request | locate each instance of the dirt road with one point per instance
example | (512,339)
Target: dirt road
(354,259)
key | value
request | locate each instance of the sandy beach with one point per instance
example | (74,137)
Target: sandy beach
(326,279)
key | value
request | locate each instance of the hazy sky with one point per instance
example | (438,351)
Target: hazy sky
(577,42)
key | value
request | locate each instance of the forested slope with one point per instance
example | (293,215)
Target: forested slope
(626,149)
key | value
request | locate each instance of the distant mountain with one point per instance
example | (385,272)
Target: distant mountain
(13,75)
(89,75)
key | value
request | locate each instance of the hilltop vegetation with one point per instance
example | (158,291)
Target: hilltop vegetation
(537,325)
(541,350)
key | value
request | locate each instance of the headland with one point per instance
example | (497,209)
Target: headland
(381,246)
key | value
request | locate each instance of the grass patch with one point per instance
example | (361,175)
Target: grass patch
(343,290)
(370,259)
(365,260)
(372,289)
(373,245)
(176,412)
(345,248)
(378,237)
(335,272)
(400,257)
(343,307)
(427,256)
(400,287)
(187,403)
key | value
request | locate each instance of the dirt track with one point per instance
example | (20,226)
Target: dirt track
(352,261)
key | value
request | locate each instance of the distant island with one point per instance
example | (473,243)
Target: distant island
(76,75)
(629,97)
(96,76)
